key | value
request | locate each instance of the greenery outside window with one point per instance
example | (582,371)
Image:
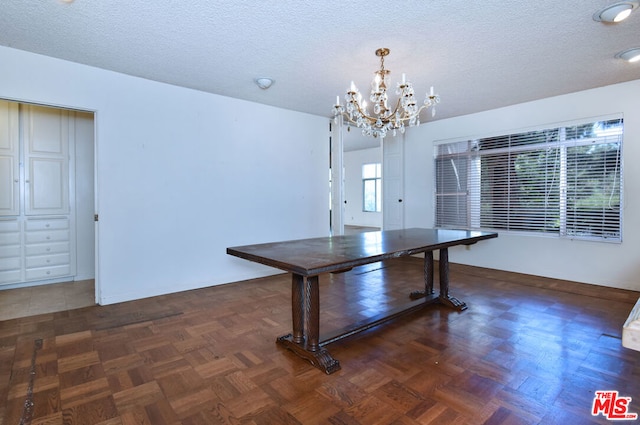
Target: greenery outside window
(372,187)
(564,181)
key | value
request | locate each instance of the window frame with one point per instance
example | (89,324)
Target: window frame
(458,182)
(377,185)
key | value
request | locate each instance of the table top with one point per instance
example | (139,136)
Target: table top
(310,257)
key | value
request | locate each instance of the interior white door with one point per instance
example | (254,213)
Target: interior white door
(393,182)
(337,177)
(9,159)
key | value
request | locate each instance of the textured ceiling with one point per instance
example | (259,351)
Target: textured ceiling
(478,55)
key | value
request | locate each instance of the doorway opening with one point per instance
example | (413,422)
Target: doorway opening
(351,159)
(47,228)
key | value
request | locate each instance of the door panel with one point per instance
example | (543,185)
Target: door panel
(393,183)
(9,162)
(46,135)
(47,183)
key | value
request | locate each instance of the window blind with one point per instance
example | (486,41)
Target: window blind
(564,181)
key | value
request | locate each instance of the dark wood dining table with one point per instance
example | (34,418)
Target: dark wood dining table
(307,259)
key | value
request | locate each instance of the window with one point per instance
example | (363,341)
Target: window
(564,181)
(372,187)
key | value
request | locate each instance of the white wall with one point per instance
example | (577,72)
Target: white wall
(353,211)
(607,264)
(182,174)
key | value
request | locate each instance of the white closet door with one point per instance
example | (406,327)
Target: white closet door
(46,137)
(9,160)
(337,177)
(393,182)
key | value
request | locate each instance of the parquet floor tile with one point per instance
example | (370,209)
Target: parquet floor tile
(528,350)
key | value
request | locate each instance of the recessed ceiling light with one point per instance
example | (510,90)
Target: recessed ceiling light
(630,55)
(616,12)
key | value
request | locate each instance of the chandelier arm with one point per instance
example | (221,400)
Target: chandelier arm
(384,118)
(374,120)
(344,114)
(387,118)
(417,114)
(364,114)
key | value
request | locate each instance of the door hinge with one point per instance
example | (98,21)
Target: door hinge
(95,217)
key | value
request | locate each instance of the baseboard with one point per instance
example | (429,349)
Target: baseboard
(578,288)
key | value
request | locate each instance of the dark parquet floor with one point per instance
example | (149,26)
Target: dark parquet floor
(527,351)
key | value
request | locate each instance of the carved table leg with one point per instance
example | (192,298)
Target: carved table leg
(428,278)
(444,297)
(297,308)
(305,340)
(312,313)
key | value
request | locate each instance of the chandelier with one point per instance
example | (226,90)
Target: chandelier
(384,119)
